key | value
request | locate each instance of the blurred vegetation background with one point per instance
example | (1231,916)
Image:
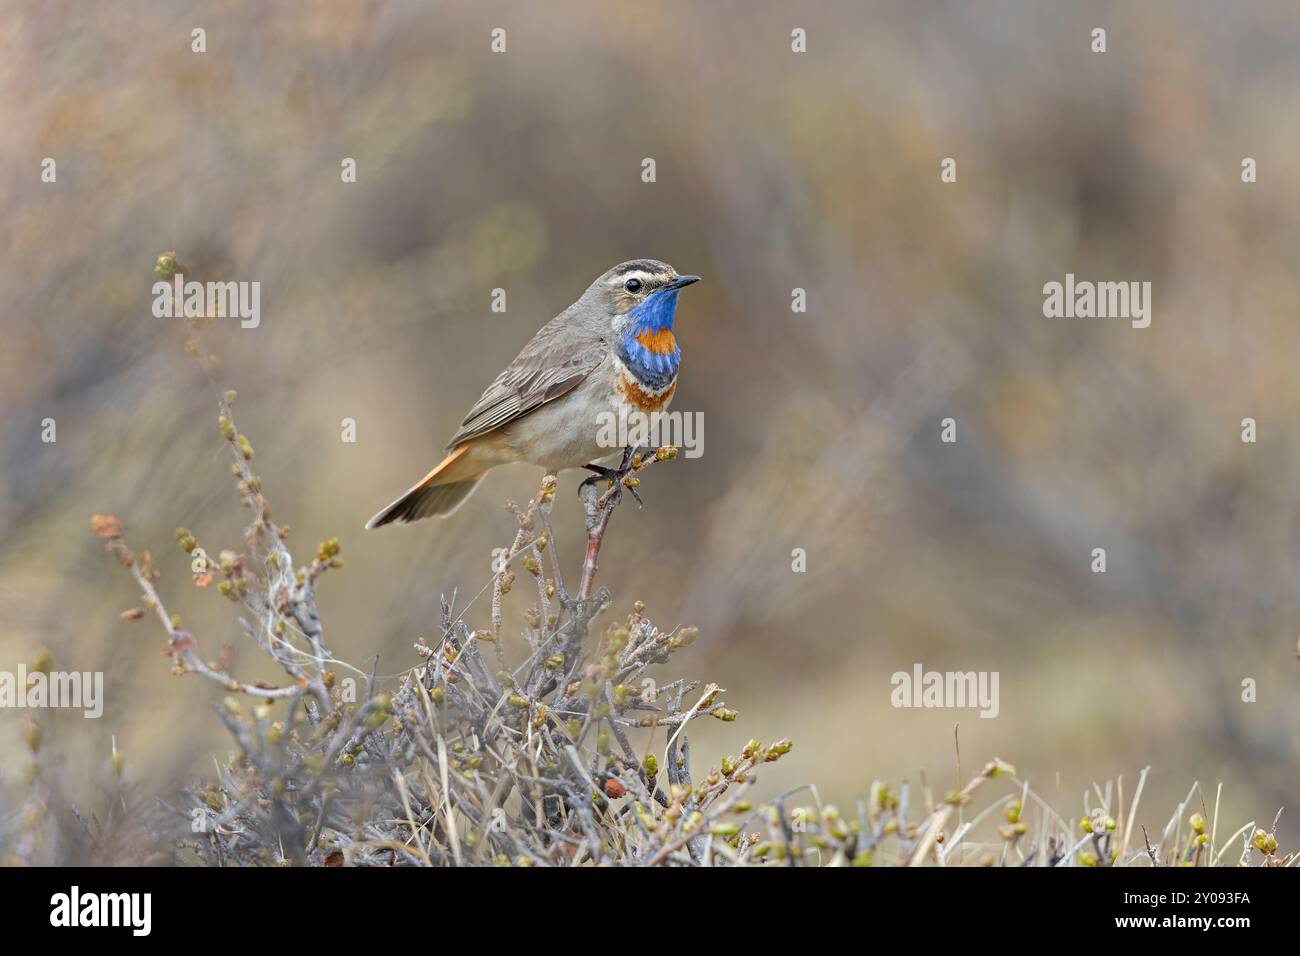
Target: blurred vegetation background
(775,170)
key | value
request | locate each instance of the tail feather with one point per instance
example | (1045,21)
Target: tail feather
(439,493)
(440,500)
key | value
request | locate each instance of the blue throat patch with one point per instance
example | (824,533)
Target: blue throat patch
(652,370)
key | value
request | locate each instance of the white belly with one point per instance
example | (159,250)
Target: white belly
(566,432)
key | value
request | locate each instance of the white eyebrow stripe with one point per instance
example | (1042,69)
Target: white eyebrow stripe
(635,274)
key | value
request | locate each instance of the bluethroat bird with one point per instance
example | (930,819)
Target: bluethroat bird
(612,351)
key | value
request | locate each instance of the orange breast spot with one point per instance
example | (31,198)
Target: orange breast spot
(661,342)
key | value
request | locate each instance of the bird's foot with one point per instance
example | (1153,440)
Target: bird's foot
(618,478)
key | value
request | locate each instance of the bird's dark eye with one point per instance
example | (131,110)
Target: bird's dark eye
(632,285)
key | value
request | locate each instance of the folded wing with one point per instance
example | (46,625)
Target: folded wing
(558,358)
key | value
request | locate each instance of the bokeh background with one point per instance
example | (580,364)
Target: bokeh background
(775,170)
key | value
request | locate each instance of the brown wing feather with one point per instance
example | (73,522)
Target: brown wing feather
(556,360)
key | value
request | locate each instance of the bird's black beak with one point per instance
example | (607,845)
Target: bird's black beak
(681,282)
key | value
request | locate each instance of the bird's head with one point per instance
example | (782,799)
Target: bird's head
(641,292)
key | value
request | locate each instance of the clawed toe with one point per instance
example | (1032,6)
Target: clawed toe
(601,474)
(617,477)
